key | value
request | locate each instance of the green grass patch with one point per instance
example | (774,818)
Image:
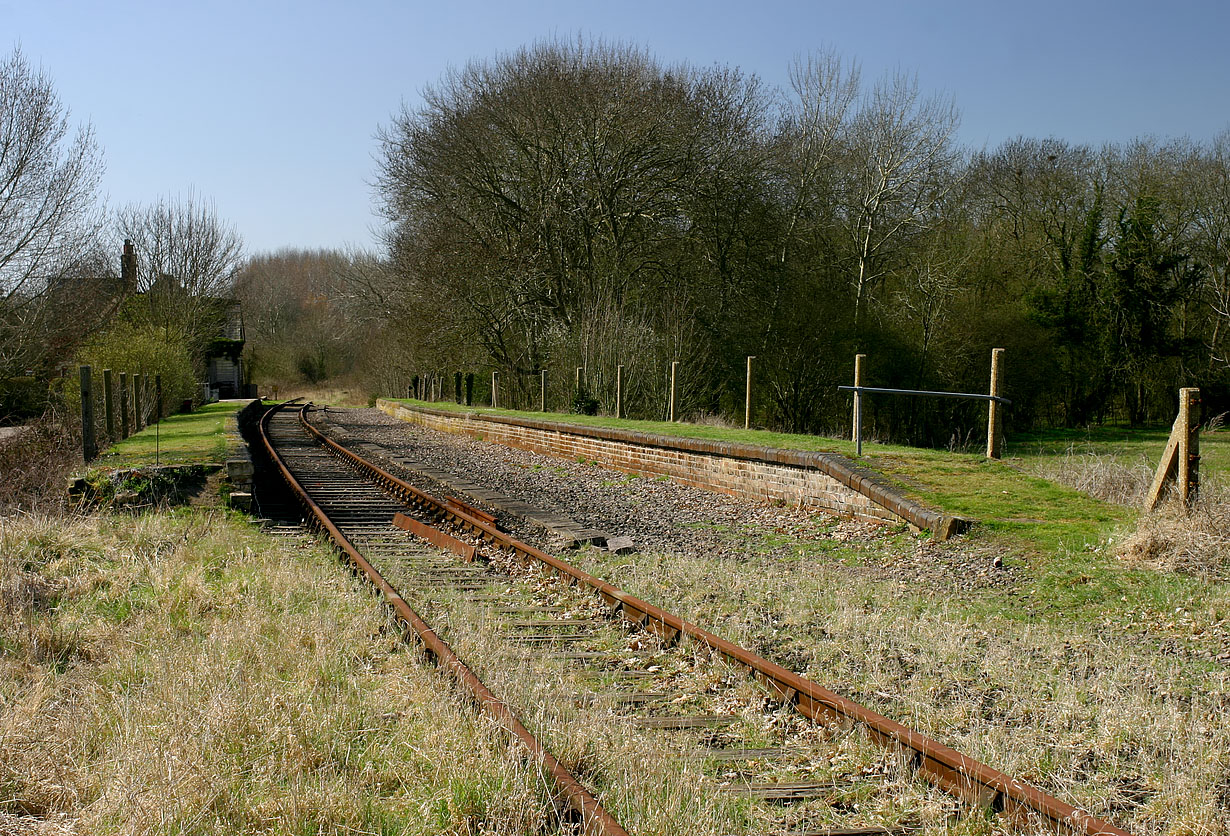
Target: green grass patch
(190,438)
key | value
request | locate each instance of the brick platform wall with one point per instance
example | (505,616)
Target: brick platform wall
(796,477)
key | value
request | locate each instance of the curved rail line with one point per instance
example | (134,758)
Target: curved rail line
(965,778)
(596,819)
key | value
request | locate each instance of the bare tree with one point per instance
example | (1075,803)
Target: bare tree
(187,261)
(53,289)
(901,161)
(813,126)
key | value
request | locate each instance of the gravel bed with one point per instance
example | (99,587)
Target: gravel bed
(659,515)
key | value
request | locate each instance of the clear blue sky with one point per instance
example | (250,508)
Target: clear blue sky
(269,109)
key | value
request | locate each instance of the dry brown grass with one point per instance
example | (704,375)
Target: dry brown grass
(1192,541)
(1103,476)
(182,673)
(1128,717)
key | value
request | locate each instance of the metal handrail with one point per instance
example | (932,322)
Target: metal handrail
(970,395)
(858,390)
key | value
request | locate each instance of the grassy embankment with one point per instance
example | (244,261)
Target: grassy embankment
(196,437)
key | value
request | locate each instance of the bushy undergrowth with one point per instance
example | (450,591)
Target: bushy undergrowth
(35,462)
(1193,541)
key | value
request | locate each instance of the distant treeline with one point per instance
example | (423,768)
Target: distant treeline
(580,205)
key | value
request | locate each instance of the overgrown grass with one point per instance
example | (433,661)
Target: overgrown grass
(181,673)
(189,438)
(1120,707)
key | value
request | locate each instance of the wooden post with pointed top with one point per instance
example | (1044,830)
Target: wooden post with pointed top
(124,425)
(1181,459)
(138,418)
(747,407)
(674,367)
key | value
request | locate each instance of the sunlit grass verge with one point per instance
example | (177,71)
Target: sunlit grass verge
(187,438)
(185,674)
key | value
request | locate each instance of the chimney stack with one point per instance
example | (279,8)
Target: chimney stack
(128,266)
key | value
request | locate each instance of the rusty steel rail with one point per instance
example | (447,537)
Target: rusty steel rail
(596,820)
(964,777)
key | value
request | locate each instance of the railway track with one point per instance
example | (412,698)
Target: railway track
(596,644)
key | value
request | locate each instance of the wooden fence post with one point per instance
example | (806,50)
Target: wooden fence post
(109,404)
(1181,459)
(89,443)
(747,407)
(138,417)
(494,399)
(124,425)
(1189,445)
(995,416)
(619,390)
(856,430)
(469,388)
(457,387)
(674,366)
(542,393)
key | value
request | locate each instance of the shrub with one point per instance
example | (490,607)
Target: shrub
(21,398)
(147,350)
(584,403)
